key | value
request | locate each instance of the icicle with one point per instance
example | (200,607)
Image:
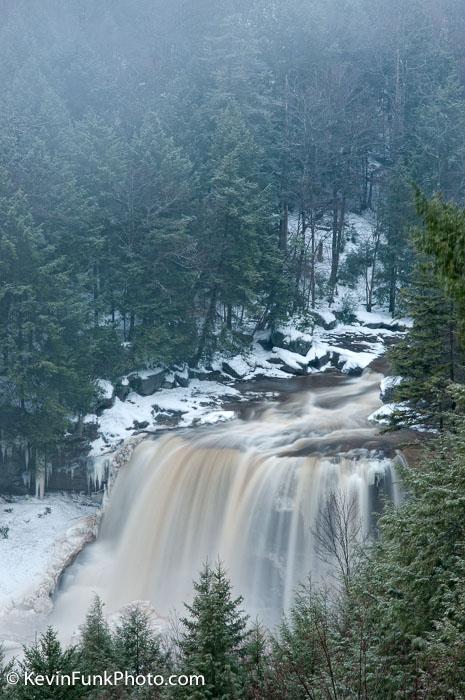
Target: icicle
(97,472)
(40,476)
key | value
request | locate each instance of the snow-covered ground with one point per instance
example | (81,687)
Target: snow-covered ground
(39,538)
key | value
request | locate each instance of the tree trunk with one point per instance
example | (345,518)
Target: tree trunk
(206,326)
(393,289)
(338,229)
(283,227)
(312,266)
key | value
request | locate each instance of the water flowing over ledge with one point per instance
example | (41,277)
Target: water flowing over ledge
(249,492)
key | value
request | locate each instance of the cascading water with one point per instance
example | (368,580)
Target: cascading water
(248,492)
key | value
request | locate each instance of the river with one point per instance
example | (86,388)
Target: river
(250,492)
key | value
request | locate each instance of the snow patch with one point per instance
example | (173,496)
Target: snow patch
(40,538)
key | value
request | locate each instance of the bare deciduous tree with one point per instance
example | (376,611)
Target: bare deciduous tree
(338,532)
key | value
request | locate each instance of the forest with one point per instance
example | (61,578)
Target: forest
(152,155)
(178,176)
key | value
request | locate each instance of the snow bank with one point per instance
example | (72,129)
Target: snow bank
(39,539)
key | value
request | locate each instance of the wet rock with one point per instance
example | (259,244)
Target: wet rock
(321,361)
(297,371)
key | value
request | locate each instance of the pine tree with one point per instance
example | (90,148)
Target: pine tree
(96,645)
(214,639)
(137,648)
(415,582)
(5,667)
(443,238)
(46,657)
(234,233)
(256,662)
(429,357)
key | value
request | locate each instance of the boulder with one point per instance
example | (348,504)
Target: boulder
(147,383)
(169,382)
(290,362)
(206,374)
(289,369)
(236,367)
(292,340)
(327,323)
(182,378)
(354,371)
(321,361)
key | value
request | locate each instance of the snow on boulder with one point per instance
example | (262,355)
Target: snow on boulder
(387,388)
(383,320)
(237,367)
(182,377)
(351,362)
(147,382)
(263,338)
(169,381)
(43,537)
(324,318)
(318,356)
(289,338)
(290,362)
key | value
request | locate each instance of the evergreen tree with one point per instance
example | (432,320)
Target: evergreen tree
(47,658)
(214,639)
(415,580)
(137,648)
(40,333)
(96,644)
(429,358)
(233,225)
(443,238)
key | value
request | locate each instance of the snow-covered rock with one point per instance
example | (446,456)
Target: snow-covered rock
(182,376)
(291,362)
(384,414)
(324,318)
(388,386)
(290,338)
(237,367)
(147,382)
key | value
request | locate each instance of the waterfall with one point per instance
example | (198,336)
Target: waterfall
(249,492)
